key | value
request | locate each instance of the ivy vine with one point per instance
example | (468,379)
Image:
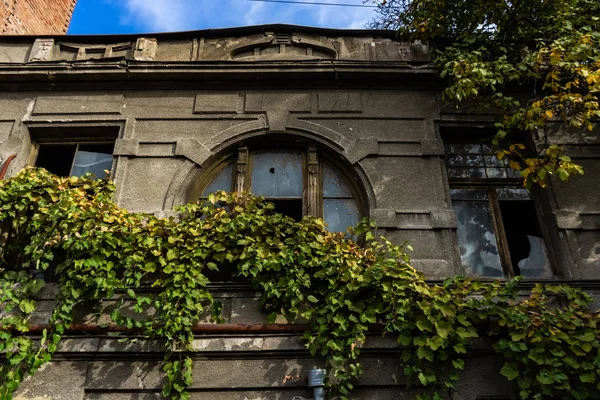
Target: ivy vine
(343,288)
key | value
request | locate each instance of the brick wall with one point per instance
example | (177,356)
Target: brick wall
(35,17)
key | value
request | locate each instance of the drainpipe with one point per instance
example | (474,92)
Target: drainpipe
(316,379)
(5,165)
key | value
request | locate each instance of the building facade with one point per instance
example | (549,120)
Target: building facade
(339,124)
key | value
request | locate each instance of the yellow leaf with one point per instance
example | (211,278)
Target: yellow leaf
(514,165)
(549,114)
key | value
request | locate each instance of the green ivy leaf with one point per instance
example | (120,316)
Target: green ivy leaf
(510,370)
(589,377)
(27,306)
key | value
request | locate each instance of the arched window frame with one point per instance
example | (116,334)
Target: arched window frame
(314,160)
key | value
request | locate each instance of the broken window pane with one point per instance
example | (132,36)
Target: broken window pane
(290,207)
(525,244)
(468,160)
(95,163)
(221,182)
(76,159)
(339,214)
(277,174)
(512,194)
(476,239)
(465,172)
(280,177)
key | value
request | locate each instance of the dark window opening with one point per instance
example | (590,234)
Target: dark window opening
(523,236)
(57,159)
(227,272)
(76,159)
(291,208)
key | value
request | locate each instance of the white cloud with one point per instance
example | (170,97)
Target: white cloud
(157,15)
(344,17)
(177,15)
(254,13)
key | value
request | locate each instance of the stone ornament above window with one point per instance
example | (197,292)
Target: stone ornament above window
(276,43)
(285,46)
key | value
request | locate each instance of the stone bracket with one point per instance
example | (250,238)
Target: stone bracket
(145,49)
(41,50)
(568,220)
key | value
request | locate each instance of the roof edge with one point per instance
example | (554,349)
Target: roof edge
(224,32)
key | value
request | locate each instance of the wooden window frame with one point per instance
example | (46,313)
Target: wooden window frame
(491,185)
(496,217)
(313,159)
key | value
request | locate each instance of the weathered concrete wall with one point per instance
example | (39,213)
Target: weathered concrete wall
(273,367)
(389,137)
(369,101)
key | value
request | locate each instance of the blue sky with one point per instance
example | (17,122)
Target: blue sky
(136,16)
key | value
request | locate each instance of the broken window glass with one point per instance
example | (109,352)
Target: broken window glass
(526,246)
(91,162)
(76,159)
(477,242)
(477,236)
(476,161)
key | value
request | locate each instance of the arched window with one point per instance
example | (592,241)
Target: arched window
(298,180)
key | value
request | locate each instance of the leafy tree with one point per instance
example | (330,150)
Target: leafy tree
(535,63)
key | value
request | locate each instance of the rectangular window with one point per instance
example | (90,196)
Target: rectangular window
(76,159)
(74,150)
(497,227)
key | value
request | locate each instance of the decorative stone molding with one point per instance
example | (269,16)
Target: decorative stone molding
(126,147)
(193,150)
(145,49)
(432,147)
(415,219)
(42,50)
(361,148)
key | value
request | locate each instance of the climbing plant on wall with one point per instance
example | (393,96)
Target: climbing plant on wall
(534,65)
(343,288)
